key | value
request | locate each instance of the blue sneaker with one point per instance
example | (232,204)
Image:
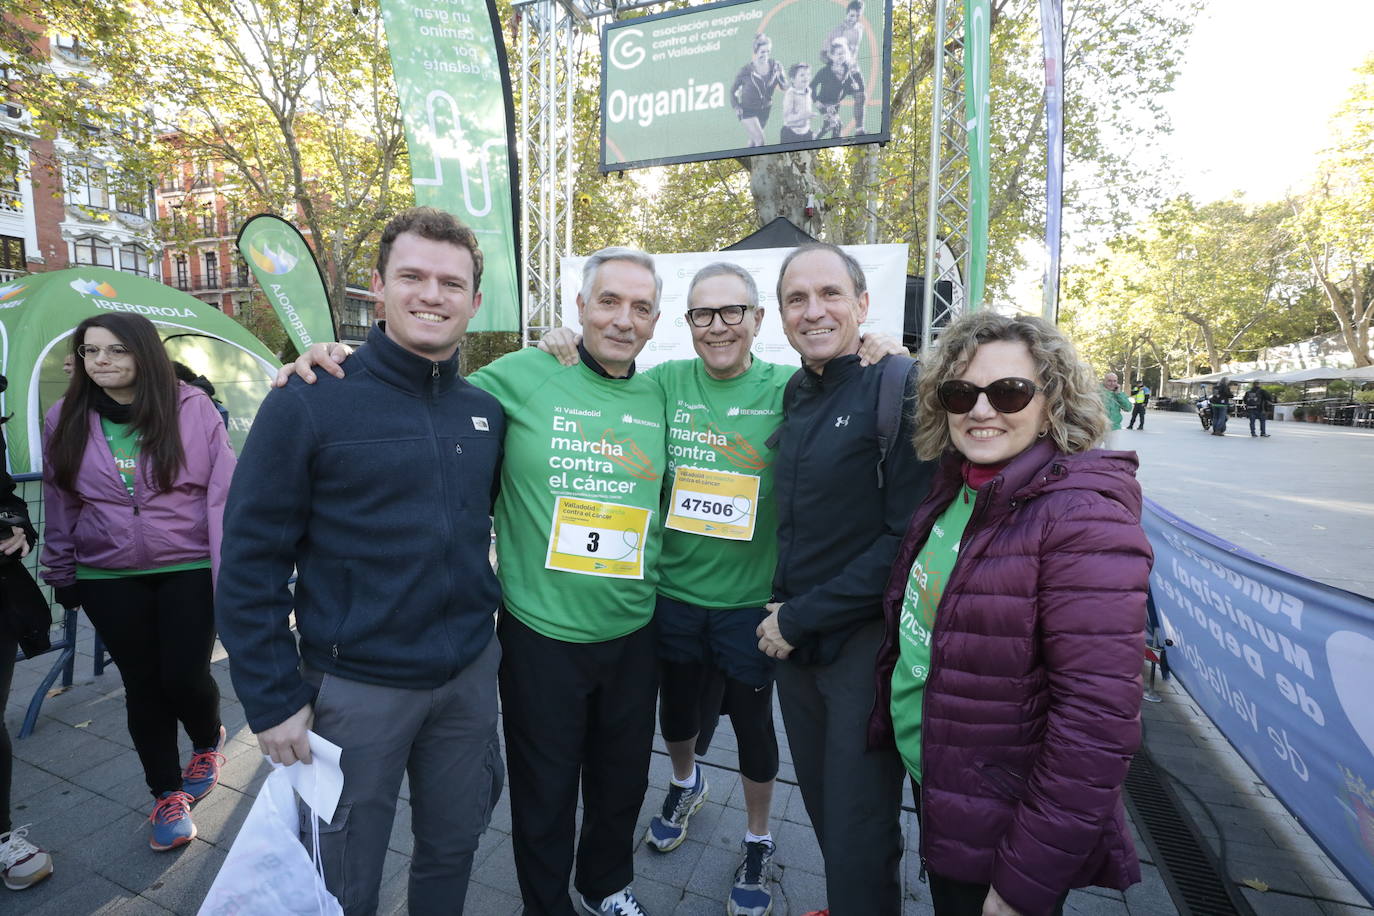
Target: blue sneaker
(171,819)
(202,772)
(749,896)
(668,829)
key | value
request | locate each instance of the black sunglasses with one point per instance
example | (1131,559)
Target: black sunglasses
(1006,395)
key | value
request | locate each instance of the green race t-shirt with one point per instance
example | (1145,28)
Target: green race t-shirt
(578,523)
(123,441)
(929,575)
(720,541)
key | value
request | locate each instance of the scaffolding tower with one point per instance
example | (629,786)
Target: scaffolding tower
(547,39)
(948,206)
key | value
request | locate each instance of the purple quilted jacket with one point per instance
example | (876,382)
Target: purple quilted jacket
(1032,710)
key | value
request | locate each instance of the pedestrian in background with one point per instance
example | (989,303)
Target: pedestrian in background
(1257,402)
(1140,396)
(1113,401)
(1016,707)
(136,468)
(1221,403)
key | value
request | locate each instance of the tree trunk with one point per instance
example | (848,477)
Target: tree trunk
(782,184)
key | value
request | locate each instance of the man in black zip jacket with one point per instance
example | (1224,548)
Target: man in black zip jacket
(839,526)
(378,489)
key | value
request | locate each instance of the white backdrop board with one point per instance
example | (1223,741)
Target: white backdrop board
(884,267)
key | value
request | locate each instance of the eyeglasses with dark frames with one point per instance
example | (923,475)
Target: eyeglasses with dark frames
(729,314)
(1006,395)
(91,351)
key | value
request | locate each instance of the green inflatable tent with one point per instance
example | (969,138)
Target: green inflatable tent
(39,312)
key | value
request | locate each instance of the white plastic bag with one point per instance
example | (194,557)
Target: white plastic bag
(268,872)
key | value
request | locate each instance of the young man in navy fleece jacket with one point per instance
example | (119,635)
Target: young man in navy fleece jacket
(378,488)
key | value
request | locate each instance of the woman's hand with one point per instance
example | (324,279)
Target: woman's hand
(16,542)
(328,356)
(994,905)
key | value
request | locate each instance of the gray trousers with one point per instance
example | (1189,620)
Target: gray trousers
(852,795)
(446,740)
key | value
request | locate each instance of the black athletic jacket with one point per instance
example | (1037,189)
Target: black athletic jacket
(838,532)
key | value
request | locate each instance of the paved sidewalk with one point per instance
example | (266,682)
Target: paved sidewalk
(78,781)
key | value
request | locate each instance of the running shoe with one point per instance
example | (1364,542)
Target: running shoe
(668,829)
(202,772)
(749,896)
(621,904)
(171,820)
(21,863)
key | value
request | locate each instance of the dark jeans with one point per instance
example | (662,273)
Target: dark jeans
(1137,412)
(1219,418)
(160,630)
(575,713)
(1254,413)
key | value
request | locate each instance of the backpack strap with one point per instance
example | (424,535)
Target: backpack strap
(789,393)
(891,401)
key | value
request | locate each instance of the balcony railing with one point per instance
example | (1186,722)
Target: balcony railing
(11,201)
(7,276)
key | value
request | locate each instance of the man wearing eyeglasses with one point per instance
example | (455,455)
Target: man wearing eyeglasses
(839,526)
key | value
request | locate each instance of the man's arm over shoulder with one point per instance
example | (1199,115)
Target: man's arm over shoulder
(265,520)
(855,594)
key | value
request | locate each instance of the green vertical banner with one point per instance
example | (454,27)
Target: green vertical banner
(286,270)
(977,105)
(449,62)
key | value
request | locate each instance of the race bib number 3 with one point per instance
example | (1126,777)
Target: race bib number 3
(598,539)
(717,504)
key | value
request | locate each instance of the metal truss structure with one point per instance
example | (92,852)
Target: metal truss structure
(546,44)
(948,207)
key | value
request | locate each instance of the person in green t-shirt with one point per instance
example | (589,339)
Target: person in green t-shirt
(1113,400)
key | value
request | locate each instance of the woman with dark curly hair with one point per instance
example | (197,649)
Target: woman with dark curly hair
(136,468)
(1009,677)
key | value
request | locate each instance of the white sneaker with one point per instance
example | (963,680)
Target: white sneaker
(22,863)
(621,904)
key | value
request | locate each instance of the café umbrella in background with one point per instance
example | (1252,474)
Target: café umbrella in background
(39,312)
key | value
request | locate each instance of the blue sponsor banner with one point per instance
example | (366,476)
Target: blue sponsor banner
(1285,668)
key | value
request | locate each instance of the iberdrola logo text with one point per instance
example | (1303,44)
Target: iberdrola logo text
(92,288)
(275,261)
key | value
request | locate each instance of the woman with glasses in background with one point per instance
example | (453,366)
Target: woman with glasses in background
(1010,673)
(136,470)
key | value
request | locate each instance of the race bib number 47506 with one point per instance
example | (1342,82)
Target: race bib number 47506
(598,539)
(718,504)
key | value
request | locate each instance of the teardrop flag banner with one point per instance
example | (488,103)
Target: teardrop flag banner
(286,269)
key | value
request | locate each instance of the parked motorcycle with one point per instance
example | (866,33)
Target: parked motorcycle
(1204,412)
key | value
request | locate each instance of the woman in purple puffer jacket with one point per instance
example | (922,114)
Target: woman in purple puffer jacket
(136,468)
(1009,678)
